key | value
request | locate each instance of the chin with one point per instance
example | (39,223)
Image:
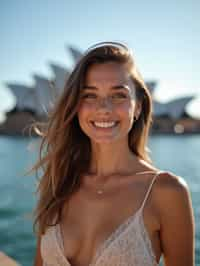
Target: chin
(104,140)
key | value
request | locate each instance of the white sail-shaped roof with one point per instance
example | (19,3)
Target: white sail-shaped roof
(61,75)
(25,96)
(174,108)
(44,93)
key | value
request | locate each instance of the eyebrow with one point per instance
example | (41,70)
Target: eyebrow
(117,87)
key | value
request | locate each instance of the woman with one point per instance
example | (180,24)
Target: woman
(101,199)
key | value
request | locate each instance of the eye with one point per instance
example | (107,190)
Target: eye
(119,95)
(88,96)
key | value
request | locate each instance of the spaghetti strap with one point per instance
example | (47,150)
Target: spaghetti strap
(149,189)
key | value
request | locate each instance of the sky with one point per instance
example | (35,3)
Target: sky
(164,37)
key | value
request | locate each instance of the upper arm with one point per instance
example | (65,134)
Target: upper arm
(38,257)
(177,231)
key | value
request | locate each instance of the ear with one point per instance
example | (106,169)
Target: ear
(138,109)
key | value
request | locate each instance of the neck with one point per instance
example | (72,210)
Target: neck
(110,159)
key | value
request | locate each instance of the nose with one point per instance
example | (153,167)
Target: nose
(105,105)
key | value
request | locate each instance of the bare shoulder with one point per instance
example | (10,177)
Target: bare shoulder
(167,181)
(172,192)
(176,219)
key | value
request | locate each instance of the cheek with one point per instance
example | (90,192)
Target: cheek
(84,109)
(127,109)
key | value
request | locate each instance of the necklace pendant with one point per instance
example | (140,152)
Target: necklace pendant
(100,191)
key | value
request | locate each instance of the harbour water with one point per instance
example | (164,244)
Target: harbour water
(178,154)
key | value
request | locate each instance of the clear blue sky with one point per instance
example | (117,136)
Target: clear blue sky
(164,35)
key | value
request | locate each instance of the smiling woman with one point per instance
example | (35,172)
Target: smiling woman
(108,103)
(94,157)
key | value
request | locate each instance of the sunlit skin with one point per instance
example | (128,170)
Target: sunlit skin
(89,219)
(108,95)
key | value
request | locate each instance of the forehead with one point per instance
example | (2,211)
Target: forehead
(107,72)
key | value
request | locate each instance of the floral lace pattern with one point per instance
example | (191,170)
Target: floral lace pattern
(128,245)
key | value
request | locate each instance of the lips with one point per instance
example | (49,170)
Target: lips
(104,124)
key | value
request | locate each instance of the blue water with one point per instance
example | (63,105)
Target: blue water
(178,154)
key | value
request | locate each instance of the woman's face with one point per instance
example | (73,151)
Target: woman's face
(108,103)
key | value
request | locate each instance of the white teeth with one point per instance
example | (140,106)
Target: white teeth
(104,124)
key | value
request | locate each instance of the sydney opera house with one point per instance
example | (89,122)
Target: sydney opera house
(33,103)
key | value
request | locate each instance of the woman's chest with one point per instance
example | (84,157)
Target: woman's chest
(91,223)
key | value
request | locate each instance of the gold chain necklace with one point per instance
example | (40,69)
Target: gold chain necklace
(101,191)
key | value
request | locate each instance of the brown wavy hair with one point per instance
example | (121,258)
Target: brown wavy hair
(65,150)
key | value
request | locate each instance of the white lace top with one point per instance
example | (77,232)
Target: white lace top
(128,245)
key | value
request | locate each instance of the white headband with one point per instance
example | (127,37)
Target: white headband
(118,45)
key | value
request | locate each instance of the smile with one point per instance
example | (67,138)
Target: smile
(105,124)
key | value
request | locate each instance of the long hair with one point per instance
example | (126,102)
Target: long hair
(65,151)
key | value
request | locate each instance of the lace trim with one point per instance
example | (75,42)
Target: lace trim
(59,255)
(147,240)
(115,236)
(115,239)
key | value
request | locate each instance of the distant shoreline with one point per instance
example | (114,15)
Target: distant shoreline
(18,124)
